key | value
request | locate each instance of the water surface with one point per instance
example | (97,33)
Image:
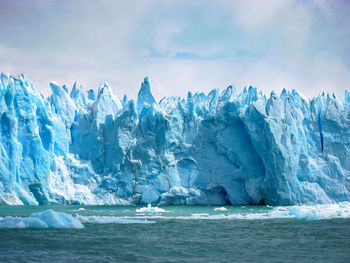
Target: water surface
(181,234)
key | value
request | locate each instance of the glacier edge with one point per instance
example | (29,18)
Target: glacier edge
(221,148)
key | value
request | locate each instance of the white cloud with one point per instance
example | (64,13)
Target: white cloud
(284,44)
(162,37)
(252,14)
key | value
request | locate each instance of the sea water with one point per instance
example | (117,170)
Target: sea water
(182,234)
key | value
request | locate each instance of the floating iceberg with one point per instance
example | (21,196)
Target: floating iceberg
(42,220)
(217,148)
(150,209)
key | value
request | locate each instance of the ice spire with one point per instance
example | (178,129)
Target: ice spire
(145,95)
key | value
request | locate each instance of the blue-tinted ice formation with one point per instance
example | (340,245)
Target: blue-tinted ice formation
(220,148)
(42,220)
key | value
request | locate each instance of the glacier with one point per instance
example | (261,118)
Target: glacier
(219,148)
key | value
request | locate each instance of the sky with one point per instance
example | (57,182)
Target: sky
(181,45)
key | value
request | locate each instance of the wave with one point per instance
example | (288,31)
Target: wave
(111,220)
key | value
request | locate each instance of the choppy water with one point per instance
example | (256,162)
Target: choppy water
(183,234)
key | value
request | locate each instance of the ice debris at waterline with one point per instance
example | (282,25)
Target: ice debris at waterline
(220,148)
(50,219)
(302,212)
(42,220)
(316,212)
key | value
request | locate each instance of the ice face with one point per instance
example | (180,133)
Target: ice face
(221,148)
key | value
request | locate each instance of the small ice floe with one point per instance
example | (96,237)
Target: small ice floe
(81,209)
(150,209)
(220,209)
(42,220)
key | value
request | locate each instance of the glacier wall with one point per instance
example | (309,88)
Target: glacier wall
(221,148)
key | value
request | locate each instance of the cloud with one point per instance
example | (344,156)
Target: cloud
(181,45)
(252,14)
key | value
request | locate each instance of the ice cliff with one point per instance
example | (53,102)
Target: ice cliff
(221,148)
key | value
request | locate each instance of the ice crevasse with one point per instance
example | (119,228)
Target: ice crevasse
(225,147)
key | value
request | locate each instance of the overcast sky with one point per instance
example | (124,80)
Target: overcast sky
(181,45)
